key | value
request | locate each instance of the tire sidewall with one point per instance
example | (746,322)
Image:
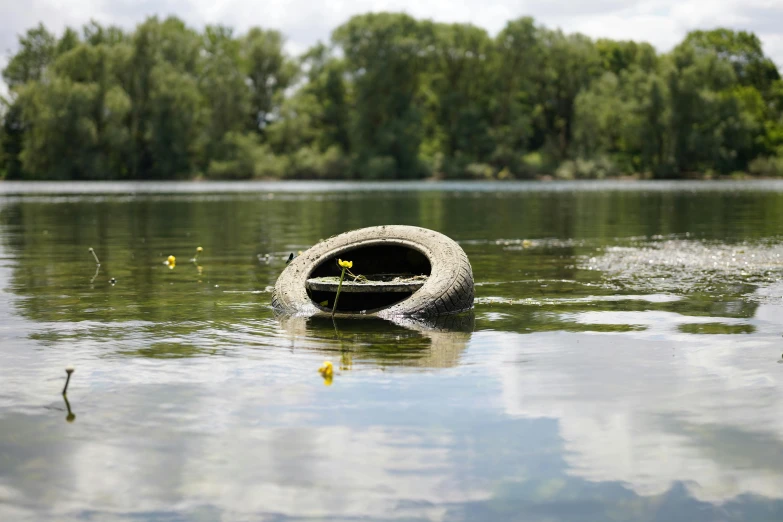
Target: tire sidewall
(446,257)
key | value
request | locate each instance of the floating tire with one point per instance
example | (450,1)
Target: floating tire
(448,288)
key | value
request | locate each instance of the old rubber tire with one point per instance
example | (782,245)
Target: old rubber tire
(448,289)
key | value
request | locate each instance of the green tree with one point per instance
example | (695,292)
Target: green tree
(385,56)
(625,119)
(310,132)
(569,64)
(12,140)
(603,119)
(743,51)
(516,57)
(709,128)
(458,94)
(174,123)
(36,51)
(653,102)
(618,56)
(100,66)
(157,51)
(68,41)
(61,139)
(270,73)
(222,82)
(326,86)
(390,97)
(95,34)
(753,71)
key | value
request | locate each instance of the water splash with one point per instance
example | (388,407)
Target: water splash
(681,265)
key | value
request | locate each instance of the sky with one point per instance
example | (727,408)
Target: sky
(660,22)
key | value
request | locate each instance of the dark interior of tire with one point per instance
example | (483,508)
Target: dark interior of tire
(375,262)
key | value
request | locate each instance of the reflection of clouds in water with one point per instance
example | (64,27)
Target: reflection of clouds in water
(245,460)
(243,435)
(772,313)
(650,410)
(365,472)
(236,435)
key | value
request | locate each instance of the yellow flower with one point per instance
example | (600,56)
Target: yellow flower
(326,370)
(345,264)
(199,250)
(171,261)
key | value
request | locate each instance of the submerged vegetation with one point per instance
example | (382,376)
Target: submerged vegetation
(389,97)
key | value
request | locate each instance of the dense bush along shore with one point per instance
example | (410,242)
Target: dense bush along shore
(388,97)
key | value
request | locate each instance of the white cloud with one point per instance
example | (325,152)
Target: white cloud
(703,410)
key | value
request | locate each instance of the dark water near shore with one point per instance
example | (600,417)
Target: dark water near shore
(622,363)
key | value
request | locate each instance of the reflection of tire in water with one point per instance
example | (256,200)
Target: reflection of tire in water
(448,334)
(394,249)
(429,343)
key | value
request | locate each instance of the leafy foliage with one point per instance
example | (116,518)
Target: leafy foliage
(389,97)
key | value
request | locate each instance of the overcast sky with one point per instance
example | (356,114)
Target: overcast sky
(660,22)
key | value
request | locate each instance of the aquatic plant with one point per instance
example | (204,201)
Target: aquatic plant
(327,372)
(71,416)
(345,265)
(97,261)
(69,370)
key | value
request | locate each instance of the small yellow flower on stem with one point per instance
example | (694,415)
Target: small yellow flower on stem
(327,372)
(326,369)
(171,261)
(345,265)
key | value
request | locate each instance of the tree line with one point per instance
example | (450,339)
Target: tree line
(389,97)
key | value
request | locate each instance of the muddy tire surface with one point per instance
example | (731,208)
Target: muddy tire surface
(448,289)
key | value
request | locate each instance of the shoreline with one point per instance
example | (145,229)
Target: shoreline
(269,187)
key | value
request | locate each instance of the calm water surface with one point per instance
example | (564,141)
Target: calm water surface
(622,363)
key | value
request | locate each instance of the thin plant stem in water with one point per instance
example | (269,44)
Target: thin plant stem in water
(339,287)
(69,371)
(345,265)
(71,415)
(97,261)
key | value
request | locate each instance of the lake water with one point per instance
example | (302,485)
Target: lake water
(623,361)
